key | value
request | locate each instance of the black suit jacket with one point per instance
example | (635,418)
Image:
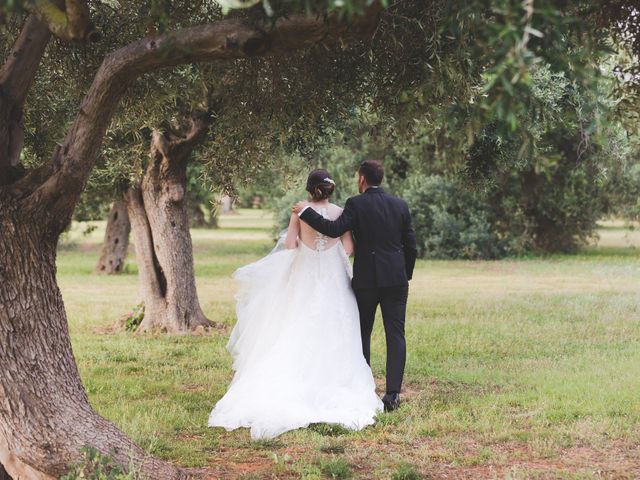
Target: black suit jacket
(385,251)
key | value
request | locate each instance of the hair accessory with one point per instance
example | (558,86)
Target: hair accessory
(318,177)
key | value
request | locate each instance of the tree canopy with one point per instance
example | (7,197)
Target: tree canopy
(467,62)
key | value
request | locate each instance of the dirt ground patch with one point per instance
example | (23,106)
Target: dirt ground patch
(616,461)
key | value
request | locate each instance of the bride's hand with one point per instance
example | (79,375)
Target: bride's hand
(298,207)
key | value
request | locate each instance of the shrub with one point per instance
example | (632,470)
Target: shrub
(134,319)
(449,221)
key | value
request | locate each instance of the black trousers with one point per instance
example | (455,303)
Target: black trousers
(393,302)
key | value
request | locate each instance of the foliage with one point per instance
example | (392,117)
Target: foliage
(492,199)
(134,319)
(95,466)
(436,80)
(551,200)
(623,192)
(552,209)
(202,201)
(622,174)
(100,192)
(272,183)
(450,222)
(505,203)
(94,204)
(465,61)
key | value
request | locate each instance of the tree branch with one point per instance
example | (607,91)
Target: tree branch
(223,40)
(196,126)
(171,149)
(19,70)
(17,73)
(71,24)
(16,78)
(183,141)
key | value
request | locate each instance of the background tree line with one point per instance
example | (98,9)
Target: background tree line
(489,200)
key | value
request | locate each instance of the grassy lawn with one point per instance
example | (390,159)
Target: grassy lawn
(517,369)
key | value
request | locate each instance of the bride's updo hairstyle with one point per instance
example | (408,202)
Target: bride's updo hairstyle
(320,185)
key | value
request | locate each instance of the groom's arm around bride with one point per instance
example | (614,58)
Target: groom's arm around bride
(382,227)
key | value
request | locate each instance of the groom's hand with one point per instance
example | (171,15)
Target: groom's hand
(298,207)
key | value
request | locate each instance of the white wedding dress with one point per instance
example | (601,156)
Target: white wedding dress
(296,346)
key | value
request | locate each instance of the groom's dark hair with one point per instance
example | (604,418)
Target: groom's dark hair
(372,171)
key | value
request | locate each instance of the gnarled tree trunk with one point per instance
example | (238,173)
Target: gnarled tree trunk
(227,205)
(116,240)
(160,224)
(45,416)
(196,217)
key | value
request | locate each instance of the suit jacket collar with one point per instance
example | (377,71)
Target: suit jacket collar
(374,190)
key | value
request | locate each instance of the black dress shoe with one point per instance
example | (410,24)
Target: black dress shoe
(391,402)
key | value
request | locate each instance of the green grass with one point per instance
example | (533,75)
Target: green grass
(516,369)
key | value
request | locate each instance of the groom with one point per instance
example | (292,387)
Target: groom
(385,255)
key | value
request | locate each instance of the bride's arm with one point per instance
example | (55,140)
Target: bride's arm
(347,243)
(291,240)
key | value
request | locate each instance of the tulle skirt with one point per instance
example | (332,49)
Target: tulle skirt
(296,347)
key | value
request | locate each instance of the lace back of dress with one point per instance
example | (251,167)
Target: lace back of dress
(320,241)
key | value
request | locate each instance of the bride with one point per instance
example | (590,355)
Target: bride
(296,346)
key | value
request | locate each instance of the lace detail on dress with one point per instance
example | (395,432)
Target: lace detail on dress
(320,241)
(347,264)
